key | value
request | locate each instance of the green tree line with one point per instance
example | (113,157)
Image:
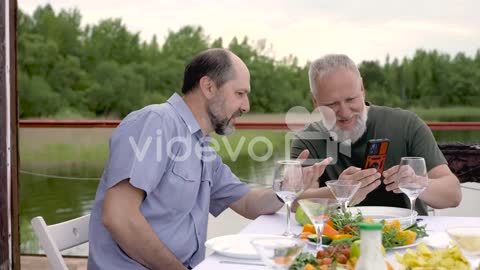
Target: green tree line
(104,70)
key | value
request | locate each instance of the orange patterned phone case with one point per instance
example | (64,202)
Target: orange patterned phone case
(376,154)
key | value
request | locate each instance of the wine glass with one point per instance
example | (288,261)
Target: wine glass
(468,239)
(278,253)
(288,184)
(343,190)
(412,179)
(318,210)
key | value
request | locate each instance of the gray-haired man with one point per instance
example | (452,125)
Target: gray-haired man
(337,91)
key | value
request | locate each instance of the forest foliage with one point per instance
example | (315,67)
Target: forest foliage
(104,70)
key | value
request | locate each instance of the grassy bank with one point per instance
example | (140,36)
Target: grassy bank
(449,114)
(91,145)
(52,147)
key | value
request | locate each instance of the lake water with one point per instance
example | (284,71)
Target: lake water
(59,168)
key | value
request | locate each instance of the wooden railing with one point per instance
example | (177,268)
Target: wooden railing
(462,126)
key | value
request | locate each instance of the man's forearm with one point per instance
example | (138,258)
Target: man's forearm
(442,192)
(262,202)
(141,243)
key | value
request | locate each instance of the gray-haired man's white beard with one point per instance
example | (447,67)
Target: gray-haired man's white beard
(354,134)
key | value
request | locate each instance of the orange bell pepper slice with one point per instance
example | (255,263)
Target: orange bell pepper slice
(309,228)
(341,236)
(329,231)
(304,235)
(330,222)
(408,236)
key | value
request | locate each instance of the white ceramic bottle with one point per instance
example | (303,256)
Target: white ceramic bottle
(371,257)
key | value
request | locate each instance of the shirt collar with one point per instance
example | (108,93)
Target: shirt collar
(185,113)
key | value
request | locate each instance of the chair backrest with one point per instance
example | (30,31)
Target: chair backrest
(61,236)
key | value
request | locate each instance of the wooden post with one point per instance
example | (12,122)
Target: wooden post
(9,203)
(4,191)
(14,128)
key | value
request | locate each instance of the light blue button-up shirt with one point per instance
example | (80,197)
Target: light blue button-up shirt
(163,151)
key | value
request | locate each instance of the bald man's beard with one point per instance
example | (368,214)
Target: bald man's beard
(342,135)
(221,124)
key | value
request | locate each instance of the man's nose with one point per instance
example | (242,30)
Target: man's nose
(245,106)
(344,112)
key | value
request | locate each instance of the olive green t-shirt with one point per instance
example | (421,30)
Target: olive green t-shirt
(408,135)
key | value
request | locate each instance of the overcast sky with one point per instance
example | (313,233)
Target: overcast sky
(363,29)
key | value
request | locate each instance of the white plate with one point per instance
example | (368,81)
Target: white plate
(437,239)
(418,241)
(237,245)
(378,213)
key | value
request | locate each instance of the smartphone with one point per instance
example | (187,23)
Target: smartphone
(376,154)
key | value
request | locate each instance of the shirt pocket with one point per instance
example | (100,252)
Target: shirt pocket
(184,183)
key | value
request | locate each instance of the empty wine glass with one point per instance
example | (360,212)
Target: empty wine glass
(412,179)
(318,210)
(468,239)
(343,190)
(278,253)
(288,184)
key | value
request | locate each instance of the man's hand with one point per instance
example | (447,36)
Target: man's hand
(405,174)
(312,173)
(369,178)
(391,179)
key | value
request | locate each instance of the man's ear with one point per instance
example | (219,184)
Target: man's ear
(363,88)
(207,86)
(314,101)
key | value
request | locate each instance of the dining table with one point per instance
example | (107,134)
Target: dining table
(275,224)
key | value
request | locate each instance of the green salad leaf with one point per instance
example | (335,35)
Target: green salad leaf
(348,218)
(421,230)
(302,259)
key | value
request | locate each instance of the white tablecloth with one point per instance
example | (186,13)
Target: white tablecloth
(275,224)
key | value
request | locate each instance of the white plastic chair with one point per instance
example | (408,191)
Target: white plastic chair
(61,236)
